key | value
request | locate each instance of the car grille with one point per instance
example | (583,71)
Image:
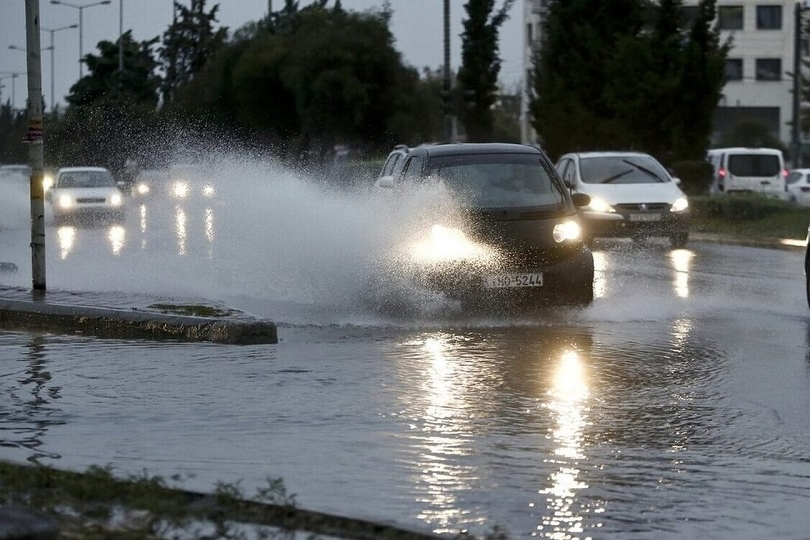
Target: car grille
(90,200)
(642,207)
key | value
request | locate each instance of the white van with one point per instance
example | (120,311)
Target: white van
(760,170)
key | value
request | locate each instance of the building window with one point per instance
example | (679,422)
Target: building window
(734,69)
(730,17)
(769,17)
(769,69)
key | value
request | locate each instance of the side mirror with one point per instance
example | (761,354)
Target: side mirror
(385,182)
(580,199)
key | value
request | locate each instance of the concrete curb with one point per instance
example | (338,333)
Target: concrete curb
(73,312)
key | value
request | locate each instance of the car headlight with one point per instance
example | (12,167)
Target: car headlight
(447,244)
(65,201)
(598,204)
(47,182)
(180,189)
(116,199)
(679,205)
(142,189)
(208,190)
(567,230)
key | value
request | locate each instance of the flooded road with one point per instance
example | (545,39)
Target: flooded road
(676,406)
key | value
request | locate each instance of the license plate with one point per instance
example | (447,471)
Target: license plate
(645,217)
(503,281)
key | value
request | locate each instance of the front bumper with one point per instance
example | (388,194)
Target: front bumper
(626,224)
(568,280)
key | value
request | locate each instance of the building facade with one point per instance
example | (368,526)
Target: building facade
(759,66)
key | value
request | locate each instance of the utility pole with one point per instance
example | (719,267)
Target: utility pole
(448,98)
(798,158)
(35,147)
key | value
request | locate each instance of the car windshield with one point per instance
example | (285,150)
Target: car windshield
(622,170)
(753,164)
(499,180)
(85,179)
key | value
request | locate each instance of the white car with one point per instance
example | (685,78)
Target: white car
(85,192)
(632,195)
(753,170)
(797,187)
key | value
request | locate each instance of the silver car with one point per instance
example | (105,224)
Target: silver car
(85,192)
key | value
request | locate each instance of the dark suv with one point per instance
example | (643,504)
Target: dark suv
(521,239)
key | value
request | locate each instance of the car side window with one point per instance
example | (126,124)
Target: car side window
(413,168)
(566,171)
(388,169)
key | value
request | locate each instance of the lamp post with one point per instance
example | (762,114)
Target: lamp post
(81,8)
(52,31)
(13,76)
(24,51)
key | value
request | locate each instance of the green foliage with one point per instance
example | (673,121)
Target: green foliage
(13,125)
(96,505)
(137,83)
(189,44)
(695,175)
(480,66)
(748,216)
(751,133)
(627,74)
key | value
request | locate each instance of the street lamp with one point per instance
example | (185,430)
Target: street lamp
(52,31)
(13,76)
(81,24)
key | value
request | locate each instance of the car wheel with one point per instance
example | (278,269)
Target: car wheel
(679,241)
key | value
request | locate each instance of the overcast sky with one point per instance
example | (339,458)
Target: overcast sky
(417,26)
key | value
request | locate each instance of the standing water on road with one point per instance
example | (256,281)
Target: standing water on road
(674,407)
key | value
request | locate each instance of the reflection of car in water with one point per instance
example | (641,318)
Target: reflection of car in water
(85,192)
(520,240)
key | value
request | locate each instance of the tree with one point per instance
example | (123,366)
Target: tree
(480,66)
(13,125)
(628,74)
(138,82)
(111,114)
(701,80)
(571,69)
(188,44)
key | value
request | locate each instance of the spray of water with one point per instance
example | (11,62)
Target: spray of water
(271,241)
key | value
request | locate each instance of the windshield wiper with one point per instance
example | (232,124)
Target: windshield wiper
(610,179)
(645,170)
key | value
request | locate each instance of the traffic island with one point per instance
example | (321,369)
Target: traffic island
(116,315)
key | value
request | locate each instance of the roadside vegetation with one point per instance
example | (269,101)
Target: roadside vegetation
(95,505)
(749,217)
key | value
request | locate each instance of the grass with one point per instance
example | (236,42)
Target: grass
(95,505)
(749,216)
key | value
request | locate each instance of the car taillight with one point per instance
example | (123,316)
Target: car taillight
(784,173)
(721,172)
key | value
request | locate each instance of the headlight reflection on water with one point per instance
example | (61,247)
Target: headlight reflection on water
(67,237)
(445,428)
(681,262)
(116,235)
(567,402)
